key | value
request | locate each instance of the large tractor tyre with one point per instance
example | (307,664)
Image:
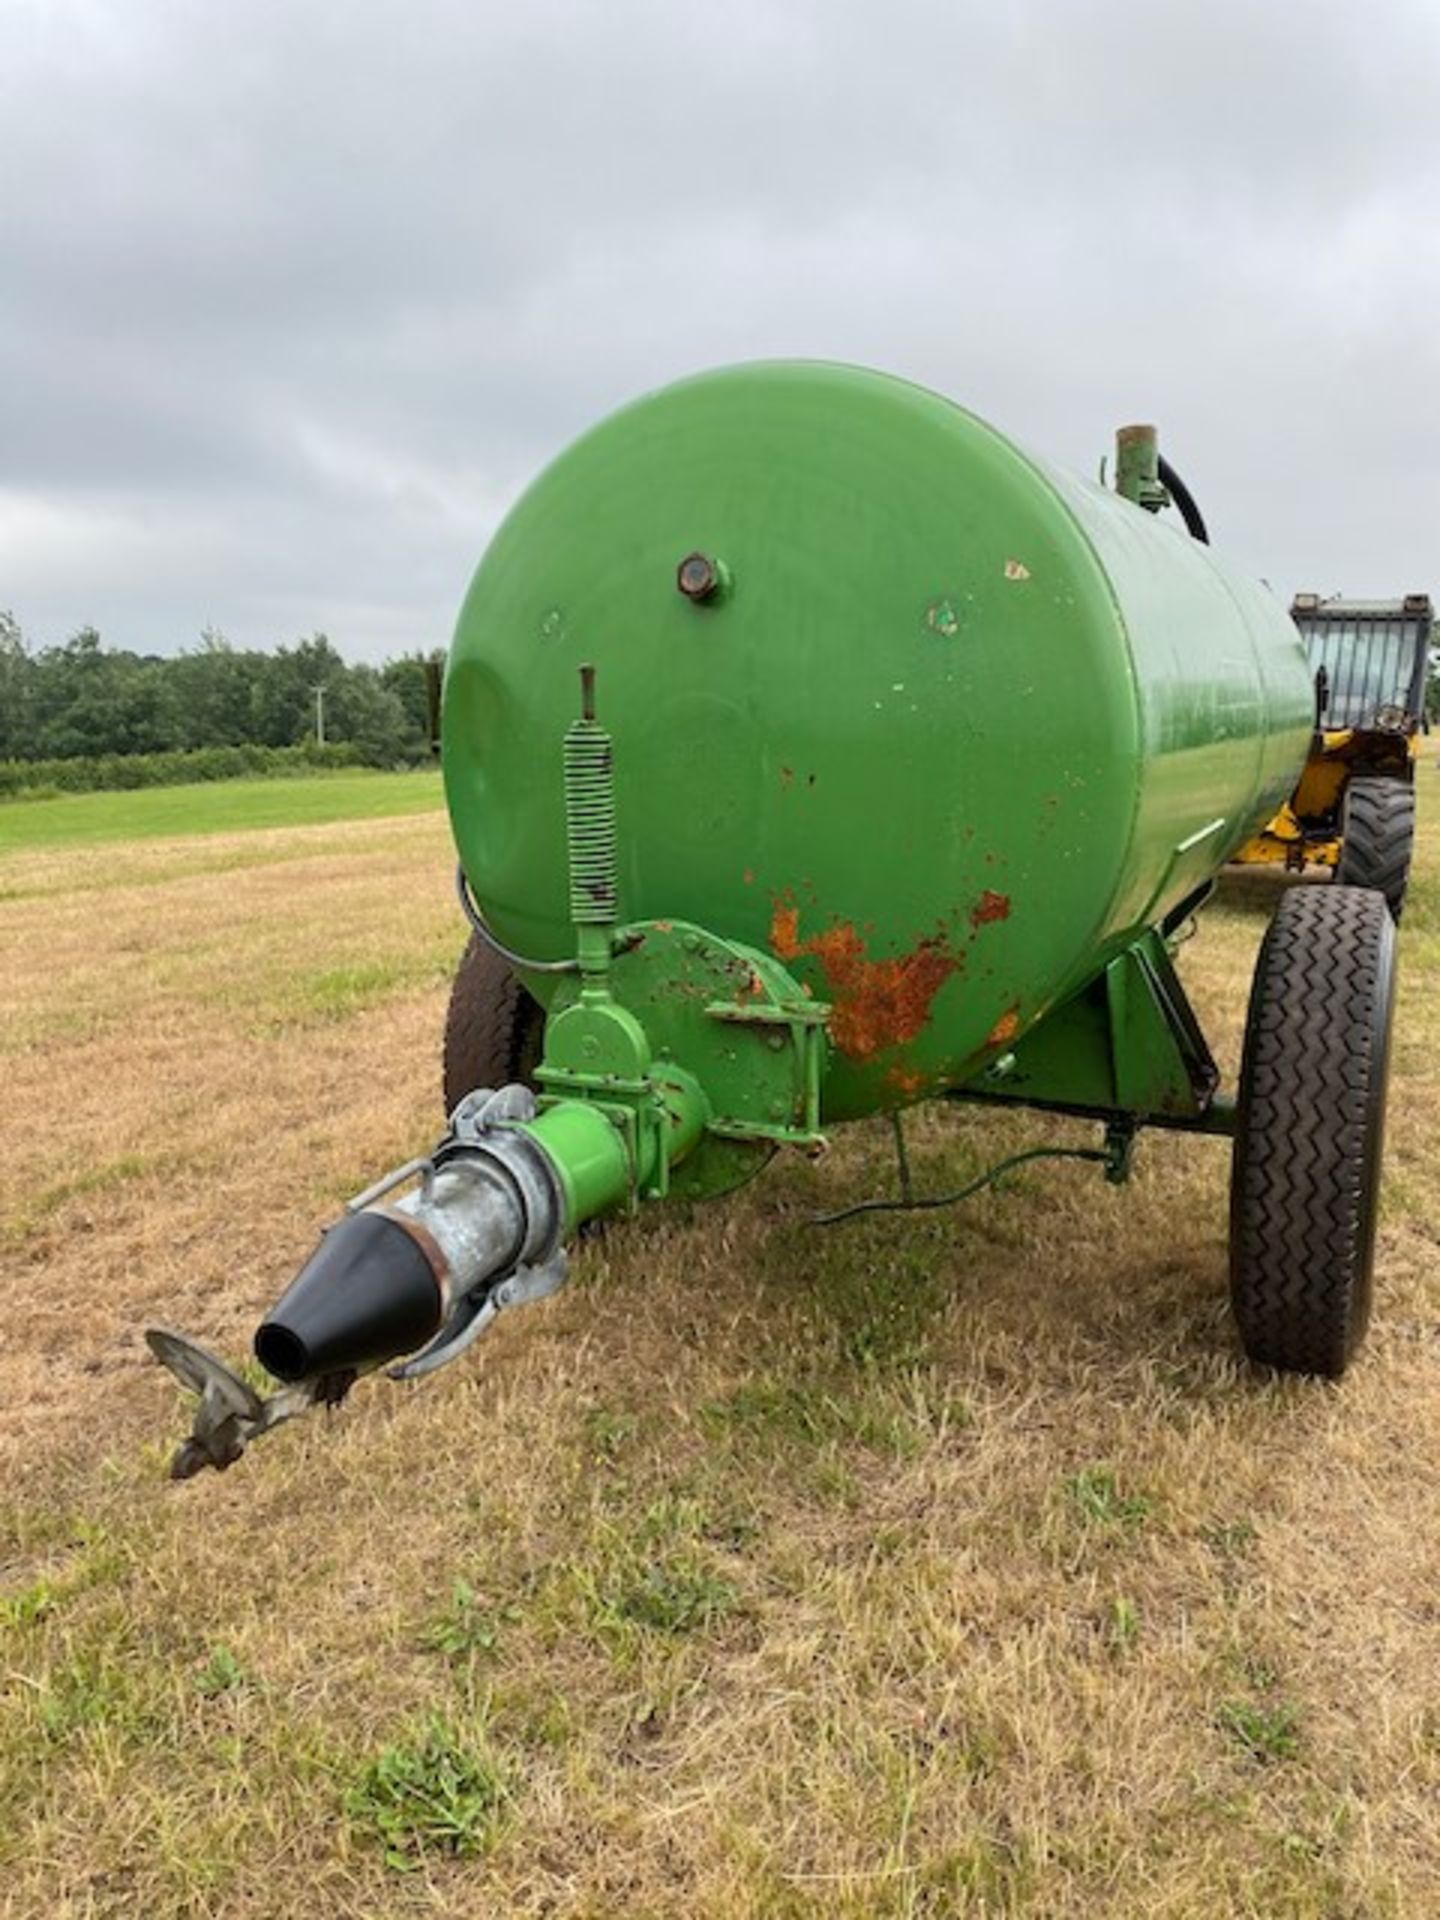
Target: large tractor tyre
(1305,1179)
(1376,837)
(493,1031)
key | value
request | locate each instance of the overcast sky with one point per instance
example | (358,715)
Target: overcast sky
(296,295)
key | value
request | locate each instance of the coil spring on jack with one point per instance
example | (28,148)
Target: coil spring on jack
(590,824)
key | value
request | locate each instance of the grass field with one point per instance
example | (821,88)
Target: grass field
(936,1566)
(217,806)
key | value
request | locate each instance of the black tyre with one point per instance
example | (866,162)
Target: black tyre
(1305,1179)
(493,1030)
(1376,837)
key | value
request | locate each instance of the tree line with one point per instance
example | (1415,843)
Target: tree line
(84,700)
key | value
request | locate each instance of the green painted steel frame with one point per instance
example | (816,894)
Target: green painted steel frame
(1127,1047)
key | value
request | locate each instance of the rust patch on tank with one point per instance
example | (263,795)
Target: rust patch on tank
(877,1003)
(785,931)
(990,906)
(912,1085)
(1004,1029)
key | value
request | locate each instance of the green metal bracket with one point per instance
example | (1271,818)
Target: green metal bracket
(1158,1056)
(752,1044)
(1127,1045)
(794,1026)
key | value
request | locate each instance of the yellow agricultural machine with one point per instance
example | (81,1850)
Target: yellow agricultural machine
(1353,809)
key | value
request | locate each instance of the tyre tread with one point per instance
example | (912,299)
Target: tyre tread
(492,1026)
(1311,1115)
(1378,837)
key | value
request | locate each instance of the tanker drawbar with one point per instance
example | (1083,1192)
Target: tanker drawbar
(810,752)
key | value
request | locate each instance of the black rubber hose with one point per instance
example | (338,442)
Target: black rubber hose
(1184,500)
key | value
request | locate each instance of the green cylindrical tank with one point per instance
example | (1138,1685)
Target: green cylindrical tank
(952,729)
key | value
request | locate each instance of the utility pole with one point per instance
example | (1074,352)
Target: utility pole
(320,714)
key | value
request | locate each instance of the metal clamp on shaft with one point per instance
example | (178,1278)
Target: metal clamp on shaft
(415,1275)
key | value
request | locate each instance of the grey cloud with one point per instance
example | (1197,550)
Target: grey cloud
(294,299)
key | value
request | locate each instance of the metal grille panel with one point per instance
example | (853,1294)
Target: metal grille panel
(1371,660)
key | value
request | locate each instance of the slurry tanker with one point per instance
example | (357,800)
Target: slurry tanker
(812,751)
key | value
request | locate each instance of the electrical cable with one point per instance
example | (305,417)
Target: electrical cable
(964,1193)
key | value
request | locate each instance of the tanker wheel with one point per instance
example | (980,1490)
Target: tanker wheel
(1305,1178)
(1376,837)
(493,1030)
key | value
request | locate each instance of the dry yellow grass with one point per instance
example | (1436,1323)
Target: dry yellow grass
(949,1565)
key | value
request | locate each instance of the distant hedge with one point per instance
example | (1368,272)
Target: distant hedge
(121,770)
